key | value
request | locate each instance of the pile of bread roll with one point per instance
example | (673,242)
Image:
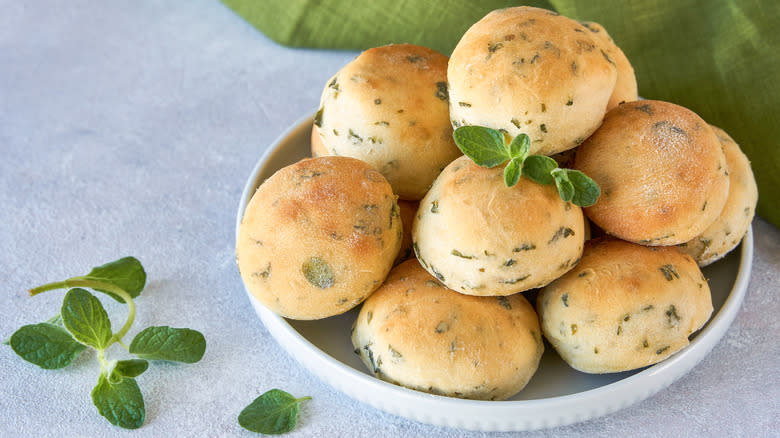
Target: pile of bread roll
(439,251)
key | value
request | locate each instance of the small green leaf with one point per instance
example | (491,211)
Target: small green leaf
(586,191)
(86,319)
(485,146)
(127,368)
(168,343)
(55,320)
(273,413)
(45,345)
(565,187)
(519,147)
(512,172)
(126,273)
(537,168)
(121,403)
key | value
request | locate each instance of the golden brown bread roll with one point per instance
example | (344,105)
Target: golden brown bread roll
(415,332)
(480,237)
(624,306)
(529,70)
(318,237)
(388,107)
(662,173)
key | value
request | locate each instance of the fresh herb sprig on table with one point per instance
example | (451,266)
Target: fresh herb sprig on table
(487,148)
(83,323)
(273,413)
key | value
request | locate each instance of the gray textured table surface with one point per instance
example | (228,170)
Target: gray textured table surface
(128,128)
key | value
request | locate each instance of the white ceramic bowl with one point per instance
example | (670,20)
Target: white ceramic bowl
(556,395)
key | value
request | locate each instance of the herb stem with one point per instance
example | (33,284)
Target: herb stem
(48,286)
(302,399)
(97,285)
(102,359)
(117,337)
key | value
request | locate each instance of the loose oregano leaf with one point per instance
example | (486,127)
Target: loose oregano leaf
(565,187)
(86,319)
(586,191)
(54,320)
(512,171)
(273,413)
(168,343)
(46,345)
(127,368)
(121,403)
(537,168)
(485,146)
(126,273)
(519,147)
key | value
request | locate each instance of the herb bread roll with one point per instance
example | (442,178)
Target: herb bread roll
(388,107)
(529,70)
(480,237)
(318,237)
(416,333)
(625,86)
(727,231)
(662,173)
(624,306)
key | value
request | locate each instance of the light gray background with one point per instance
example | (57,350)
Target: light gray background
(129,128)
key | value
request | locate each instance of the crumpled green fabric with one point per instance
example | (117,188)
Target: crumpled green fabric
(718,58)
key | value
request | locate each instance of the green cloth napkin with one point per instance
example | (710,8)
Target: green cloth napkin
(718,58)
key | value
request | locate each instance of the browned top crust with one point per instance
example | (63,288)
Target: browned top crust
(662,173)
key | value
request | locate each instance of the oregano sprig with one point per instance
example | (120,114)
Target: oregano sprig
(273,413)
(487,147)
(84,323)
